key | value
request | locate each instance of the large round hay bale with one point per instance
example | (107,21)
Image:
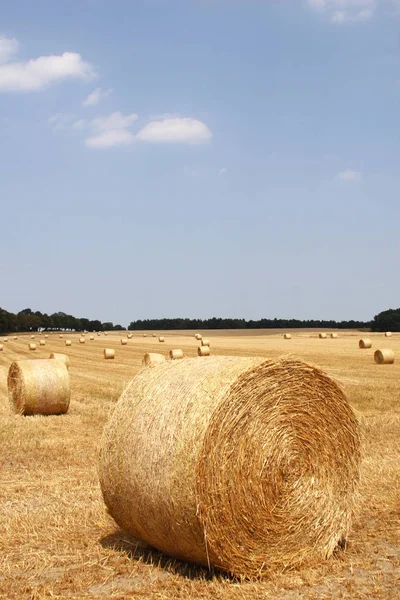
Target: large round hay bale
(333,336)
(1,347)
(109,353)
(39,387)
(203,351)
(124,341)
(365,343)
(198,336)
(63,357)
(176,354)
(322,336)
(68,342)
(287,336)
(42,342)
(388,334)
(238,463)
(161,339)
(82,340)
(32,346)
(152,358)
(205,342)
(384,356)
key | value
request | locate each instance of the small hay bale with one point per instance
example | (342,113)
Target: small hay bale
(205,342)
(5,339)
(15,337)
(384,356)
(176,354)
(203,351)
(91,338)
(124,341)
(145,335)
(98,333)
(1,348)
(388,334)
(130,336)
(365,343)
(333,336)
(154,335)
(39,387)
(152,358)
(42,342)
(109,353)
(32,337)
(287,336)
(68,343)
(238,463)
(32,346)
(161,339)
(198,336)
(322,336)
(46,336)
(61,336)
(105,333)
(63,357)
(82,340)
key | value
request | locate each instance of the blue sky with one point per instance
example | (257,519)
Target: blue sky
(200,158)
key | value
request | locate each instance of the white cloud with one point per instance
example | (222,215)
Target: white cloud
(341,11)
(39,73)
(79,124)
(112,130)
(94,97)
(175,129)
(8,47)
(223,171)
(61,120)
(349,175)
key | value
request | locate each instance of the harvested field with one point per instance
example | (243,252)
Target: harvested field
(58,541)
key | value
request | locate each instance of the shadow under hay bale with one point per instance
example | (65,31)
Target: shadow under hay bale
(237,463)
(39,387)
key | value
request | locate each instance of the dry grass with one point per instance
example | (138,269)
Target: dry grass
(58,542)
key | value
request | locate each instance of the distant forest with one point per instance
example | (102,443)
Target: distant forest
(27,320)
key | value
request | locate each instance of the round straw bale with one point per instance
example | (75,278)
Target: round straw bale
(46,336)
(91,337)
(1,347)
(176,354)
(63,357)
(32,346)
(365,343)
(287,336)
(203,351)
(68,342)
(145,335)
(322,336)
(388,334)
(39,387)
(152,358)
(384,356)
(5,339)
(333,335)
(15,337)
(130,336)
(109,353)
(32,337)
(154,335)
(82,340)
(42,342)
(238,463)
(61,336)
(124,341)
(198,336)
(205,342)
(161,339)
(98,333)
(105,333)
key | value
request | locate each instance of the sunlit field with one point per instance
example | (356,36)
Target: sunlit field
(57,540)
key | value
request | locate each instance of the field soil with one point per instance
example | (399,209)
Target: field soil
(57,540)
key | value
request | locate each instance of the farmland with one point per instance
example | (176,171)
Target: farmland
(58,541)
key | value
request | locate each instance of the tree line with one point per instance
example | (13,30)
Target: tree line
(27,320)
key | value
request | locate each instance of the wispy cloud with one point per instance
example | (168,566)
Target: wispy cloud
(349,175)
(223,171)
(342,11)
(175,129)
(112,130)
(94,97)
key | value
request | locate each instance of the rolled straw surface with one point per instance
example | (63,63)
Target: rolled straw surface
(32,346)
(152,358)
(161,339)
(63,357)
(205,342)
(388,334)
(82,340)
(5,340)
(287,336)
(145,335)
(68,342)
(176,354)
(203,351)
(322,336)
(124,341)
(384,356)
(365,343)
(39,387)
(46,336)
(61,336)
(42,343)
(15,337)
(198,336)
(129,336)
(333,335)
(238,463)
(109,353)
(91,337)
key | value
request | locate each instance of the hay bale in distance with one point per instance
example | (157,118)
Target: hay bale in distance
(287,336)
(109,353)
(365,343)
(203,351)
(42,342)
(322,336)
(145,335)
(15,337)
(161,339)
(129,336)
(5,340)
(98,333)
(198,336)
(68,343)
(152,358)
(82,340)
(333,336)
(388,334)
(205,342)
(105,333)
(61,336)
(63,357)
(176,354)
(46,336)
(1,348)
(32,347)
(154,335)
(39,387)
(223,480)
(91,338)
(384,356)
(32,337)
(124,341)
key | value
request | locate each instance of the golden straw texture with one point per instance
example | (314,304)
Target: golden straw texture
(1,347)
(124,341)
(287,336)
(198,336)
(205,342)
(334,335)
(32,346)
(388,334)
(322,336)
(203,351)
(82,340)
(5,340)
(42,343)
(109,353)
(152,358)
(161,339)
(239,463)
(63,357)
(365,343)
(68,342)
(384,356)
(39,387)
(176,354)
(91,337)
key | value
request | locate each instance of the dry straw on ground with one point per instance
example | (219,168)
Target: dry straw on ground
(63,357)
(388,334)
(365,343)
(384,356)
(238,463)
(322,336)
(205,342)
(203,351)
(109,353)
(287,336)
(161,339)
(152,358)
(176,354)
(39,387)
(124,341)
(32,347)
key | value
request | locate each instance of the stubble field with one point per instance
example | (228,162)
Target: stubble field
(57,540)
